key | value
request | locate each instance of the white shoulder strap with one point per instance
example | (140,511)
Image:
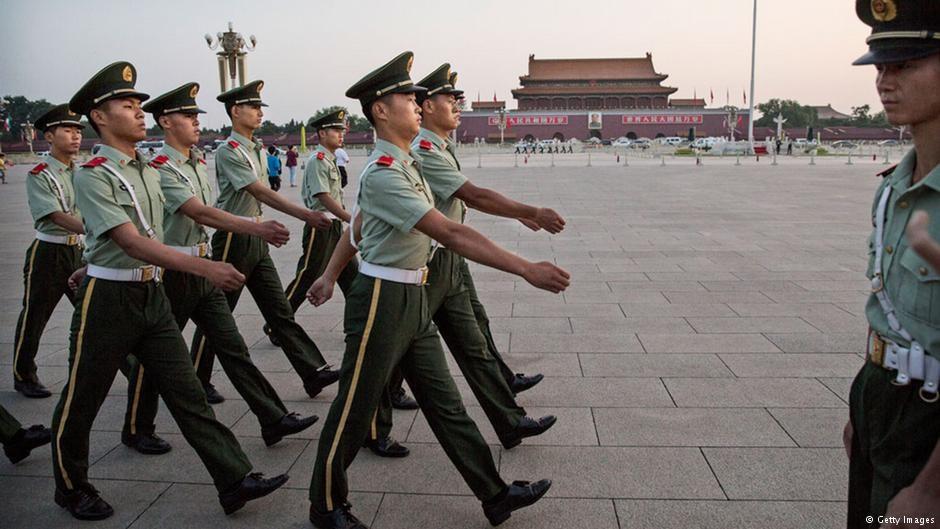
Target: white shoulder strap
(130,189)
(247,157)
(192,187)
(58,189)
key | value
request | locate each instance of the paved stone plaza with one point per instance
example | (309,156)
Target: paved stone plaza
(699,364)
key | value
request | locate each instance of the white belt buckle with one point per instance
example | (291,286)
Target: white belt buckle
(72,239)
(424,274)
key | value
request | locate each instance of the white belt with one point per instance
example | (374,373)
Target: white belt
(911,363)
(137,275)
(397,275)
(70,240)
(199,250)
(257,219)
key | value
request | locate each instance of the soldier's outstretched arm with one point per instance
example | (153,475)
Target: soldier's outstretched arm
(920,239)
(271,198)
(271,231)
(154,252)
(474,246)
(495,203)
(322,289)
(333,206)
(67,222)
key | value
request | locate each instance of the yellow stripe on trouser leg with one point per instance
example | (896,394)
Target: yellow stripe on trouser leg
(202,340)
(29,284)
(352,392)
(72,376)
(136,402)
(375,433)
(313,235)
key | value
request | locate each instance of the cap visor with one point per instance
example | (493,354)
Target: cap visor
(899,53)
(412,89)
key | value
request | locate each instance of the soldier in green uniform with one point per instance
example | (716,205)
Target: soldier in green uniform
(893,434)
(449,282)
(57,250)
(122,307)
(185,186)
(387,321)
(17,441)
(241,171)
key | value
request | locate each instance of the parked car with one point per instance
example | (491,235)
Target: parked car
(705,144)
(889,143)
(844,144)
(672,141)
(642,143)
(622,142)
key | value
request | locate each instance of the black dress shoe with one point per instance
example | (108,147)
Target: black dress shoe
(339,518)
(84,503)
(386,447)
(288,425)
(401,400)
(528,427)
(254,486)
(321,379)
(30,389)
(267,330)
(212,395)
(522,382)
(518,495)
(146,443)
(24,441)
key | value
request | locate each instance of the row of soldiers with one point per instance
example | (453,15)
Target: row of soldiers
(126,240)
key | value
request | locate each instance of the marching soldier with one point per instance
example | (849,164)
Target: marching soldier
(185,186)
(241,171)
(57,250)
(449,283)
(893,434)
(19,442)
(387,321)
(122,307)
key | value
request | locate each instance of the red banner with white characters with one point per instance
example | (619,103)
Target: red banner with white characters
(512,121)
(663,119)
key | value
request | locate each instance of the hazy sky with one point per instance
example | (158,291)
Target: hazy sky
(309,52)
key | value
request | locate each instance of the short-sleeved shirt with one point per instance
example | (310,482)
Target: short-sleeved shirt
(45,197)
(106,203)
(321,176)
(441,169)
(239,162)
(342,158)
(912,285)
(393,197)
(181,179)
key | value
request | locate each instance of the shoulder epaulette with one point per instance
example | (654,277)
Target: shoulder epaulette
(159,160)
(233,144)
(95,162)
(320,156)
(39,168)
(887,172)
(385,161)
(425,145)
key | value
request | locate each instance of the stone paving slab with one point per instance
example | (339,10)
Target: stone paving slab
(699,364)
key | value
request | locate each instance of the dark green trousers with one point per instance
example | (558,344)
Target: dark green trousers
(484,321)
(449,302)
(113,319)
(895,434)
(9,426)
(249,254)
(45,278)
(389,324)
(193,297)
(318,248)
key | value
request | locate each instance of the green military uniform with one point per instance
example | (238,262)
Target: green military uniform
(53,256)
(9,426)
(447,291)
(320,176)
(239,163)
(893,401)
(388,322)
(183,178)
(122,308)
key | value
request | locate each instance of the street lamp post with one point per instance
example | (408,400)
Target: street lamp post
(501,125)
(232,59)
(750,115)
(29,134)
(732,112)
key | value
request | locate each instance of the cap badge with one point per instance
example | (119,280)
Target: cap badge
(260,86)
(193,91)
(411,61)
(127,74)
(884,10)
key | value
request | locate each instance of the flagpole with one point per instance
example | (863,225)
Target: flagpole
(750,115)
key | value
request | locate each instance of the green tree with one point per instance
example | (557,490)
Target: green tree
(20,109)
(356,123)
(861,116)
(797,115)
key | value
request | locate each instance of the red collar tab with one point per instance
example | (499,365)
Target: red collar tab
(234,144)
(385,161)
(95,162)
(425,145)
(320,156)
(202,161)
(39,168)
(159,160)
